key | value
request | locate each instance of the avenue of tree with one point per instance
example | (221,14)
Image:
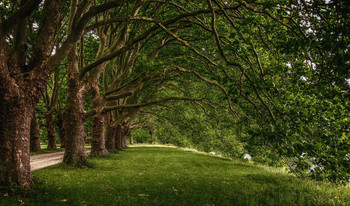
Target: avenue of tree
(259,77)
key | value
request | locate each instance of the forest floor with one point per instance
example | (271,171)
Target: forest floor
(141,175)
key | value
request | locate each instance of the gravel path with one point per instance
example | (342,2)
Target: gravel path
(44,160)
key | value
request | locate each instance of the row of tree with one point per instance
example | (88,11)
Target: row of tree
(260,77)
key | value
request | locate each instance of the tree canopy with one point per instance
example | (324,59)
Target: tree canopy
(268,79)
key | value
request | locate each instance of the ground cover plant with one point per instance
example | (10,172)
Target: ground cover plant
(156,175)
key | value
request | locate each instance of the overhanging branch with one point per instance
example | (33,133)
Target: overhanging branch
(131,106)
(20,14)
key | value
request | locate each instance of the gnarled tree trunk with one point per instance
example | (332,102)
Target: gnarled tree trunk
(34,134)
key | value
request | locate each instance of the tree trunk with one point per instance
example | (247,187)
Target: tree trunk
(124,143)
(61,131)
(119,137)
(125,133)
(17,104)
(51,136)
(15,120)
(98,146)
(110,138)
(34,134)
(74,128)
(74,116)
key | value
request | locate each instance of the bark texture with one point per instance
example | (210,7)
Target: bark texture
(121,133)
(61,130)
(16,111)
(34,134)
(15,121)
(98,141)
(126,130)
(119,137)
(74,116)
(51,134)
(110,138)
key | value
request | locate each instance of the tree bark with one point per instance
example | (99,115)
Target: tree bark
(15,121)
(126,131)
(51,134)
(119,137)
(16,110)
(110,138)
(74,116)
(74,129)
(61,131)
(98,146)
(34,134)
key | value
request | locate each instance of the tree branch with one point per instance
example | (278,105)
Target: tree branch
(20,14)
(130,106)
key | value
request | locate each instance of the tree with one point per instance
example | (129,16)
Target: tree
(26,66)
(265,62)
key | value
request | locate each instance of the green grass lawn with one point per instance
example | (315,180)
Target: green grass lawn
(171,176)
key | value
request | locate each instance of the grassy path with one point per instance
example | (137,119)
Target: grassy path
(170,176)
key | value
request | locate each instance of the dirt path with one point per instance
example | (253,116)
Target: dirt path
(44,160)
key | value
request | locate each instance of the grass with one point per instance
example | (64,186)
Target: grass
(170,176)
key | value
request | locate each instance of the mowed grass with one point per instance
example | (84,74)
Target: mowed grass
(171,176)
